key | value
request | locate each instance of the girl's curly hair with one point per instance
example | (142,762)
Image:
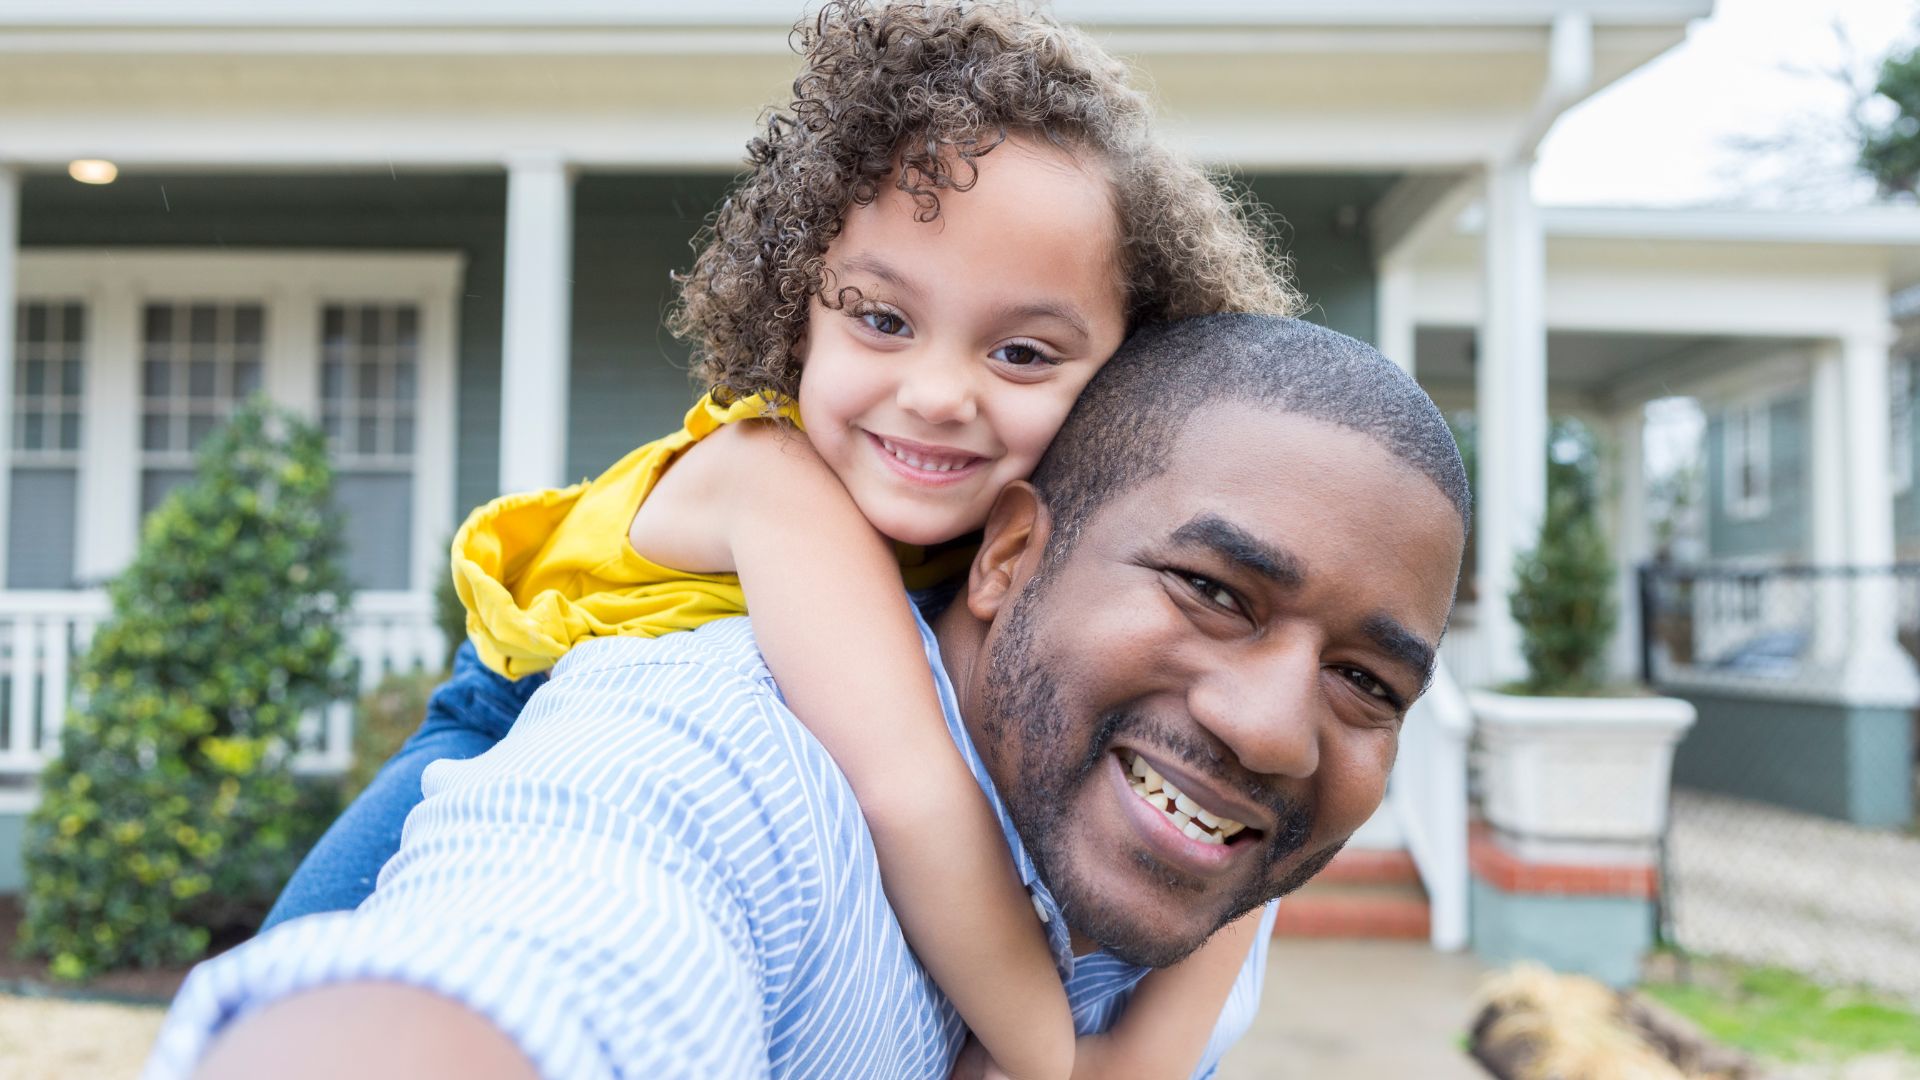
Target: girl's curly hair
(916,92)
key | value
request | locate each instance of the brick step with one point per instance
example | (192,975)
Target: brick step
(1335,909)
(1359,866)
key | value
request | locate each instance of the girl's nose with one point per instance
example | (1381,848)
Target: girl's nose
(939,392)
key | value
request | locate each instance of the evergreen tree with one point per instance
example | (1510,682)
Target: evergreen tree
(1890,152)
(172,811)
(1563,590)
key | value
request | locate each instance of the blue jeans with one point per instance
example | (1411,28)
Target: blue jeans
(466,715)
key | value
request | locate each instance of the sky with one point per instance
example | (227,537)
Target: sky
(1671,133)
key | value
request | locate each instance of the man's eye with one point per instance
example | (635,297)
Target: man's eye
(1021,354)
(1213,592)
(883,322)
(1371,686)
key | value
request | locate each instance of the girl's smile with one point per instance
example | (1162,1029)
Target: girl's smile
(948,352)
(923,464)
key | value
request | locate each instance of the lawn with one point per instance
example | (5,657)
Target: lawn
(1784,1017)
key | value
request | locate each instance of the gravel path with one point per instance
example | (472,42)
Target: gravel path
(1771,886)
(50,1039)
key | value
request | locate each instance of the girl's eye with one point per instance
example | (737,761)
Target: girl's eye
(883,322)
(1021,354)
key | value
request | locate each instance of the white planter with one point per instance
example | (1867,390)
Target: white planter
(1578,779)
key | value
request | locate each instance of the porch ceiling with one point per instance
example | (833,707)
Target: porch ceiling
(1596,366)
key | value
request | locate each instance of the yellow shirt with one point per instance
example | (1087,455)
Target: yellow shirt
(543,570)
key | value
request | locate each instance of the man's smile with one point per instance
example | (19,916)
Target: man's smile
(1179,831)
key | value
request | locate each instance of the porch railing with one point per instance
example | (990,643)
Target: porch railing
(43,633)
(1798,629)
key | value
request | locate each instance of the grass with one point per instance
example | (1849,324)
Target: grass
(1783,1016)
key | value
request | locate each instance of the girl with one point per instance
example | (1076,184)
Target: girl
(953,225)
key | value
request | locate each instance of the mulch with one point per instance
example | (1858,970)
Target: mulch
(29,977)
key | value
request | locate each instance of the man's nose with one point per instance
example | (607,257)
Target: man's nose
(1266,709)
(939,390)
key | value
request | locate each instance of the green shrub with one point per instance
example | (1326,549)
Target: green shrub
(1563,590)
(386,716)
(172,814)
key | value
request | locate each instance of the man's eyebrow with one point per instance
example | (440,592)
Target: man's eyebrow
(1044,309)
(1402,644)
(867,263)
(1237,545)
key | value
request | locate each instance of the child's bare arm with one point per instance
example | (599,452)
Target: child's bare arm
(1172,1015)
(838,633)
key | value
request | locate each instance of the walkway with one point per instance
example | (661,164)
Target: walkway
(1766,885)
(1360,1010)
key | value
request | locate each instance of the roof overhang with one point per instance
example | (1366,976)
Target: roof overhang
(1376,85)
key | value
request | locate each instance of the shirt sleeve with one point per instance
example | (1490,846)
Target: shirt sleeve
(527,891)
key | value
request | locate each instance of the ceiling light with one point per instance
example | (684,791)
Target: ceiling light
(93,171)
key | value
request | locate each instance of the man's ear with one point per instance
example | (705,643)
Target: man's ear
(1010,548)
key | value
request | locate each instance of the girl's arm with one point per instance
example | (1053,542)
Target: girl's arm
(836,628)
(1172,1015)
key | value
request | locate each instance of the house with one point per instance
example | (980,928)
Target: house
(445,230)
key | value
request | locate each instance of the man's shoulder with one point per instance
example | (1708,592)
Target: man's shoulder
(724,649)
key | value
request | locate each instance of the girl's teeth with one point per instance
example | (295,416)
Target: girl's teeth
(916,462)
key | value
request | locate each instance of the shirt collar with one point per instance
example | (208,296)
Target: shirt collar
(1059,940)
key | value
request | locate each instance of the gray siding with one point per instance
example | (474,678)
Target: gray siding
(629,376)
(1784,529)
(1323,231)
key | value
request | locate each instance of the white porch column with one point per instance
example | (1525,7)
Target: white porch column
(1827,460)
(1877,667)
(536,332)
(1632,535)
(9,288)
(1394,326)
(109,525)
(1510,390)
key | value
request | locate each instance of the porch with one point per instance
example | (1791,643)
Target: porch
(553,173)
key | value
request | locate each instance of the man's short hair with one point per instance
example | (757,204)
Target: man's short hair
(1124,426)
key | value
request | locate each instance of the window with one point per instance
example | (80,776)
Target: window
(49,384)
(1748,471)
(199,360)
(115,392)
(369,383)
(1900,425)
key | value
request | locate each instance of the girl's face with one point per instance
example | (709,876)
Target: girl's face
(972,337)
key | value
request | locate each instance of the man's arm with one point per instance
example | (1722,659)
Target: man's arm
(565,897)
(369,1031)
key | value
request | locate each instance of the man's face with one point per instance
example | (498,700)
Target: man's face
(1249,628)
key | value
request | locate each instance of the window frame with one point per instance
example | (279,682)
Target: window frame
(1755,448)
(1900,389)
(293,287)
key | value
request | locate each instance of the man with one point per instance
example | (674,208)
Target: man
(1234,565)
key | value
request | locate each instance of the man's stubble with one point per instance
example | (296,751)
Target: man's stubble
(1020,700)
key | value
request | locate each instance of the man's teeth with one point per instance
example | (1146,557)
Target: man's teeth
(1186,815)
(927,464)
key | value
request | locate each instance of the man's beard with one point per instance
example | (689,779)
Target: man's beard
(1019,691)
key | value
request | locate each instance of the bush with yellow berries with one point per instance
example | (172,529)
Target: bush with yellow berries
(172,814)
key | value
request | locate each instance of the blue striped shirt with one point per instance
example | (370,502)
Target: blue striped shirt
(658,873)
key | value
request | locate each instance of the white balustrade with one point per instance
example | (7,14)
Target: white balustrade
(42,633)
